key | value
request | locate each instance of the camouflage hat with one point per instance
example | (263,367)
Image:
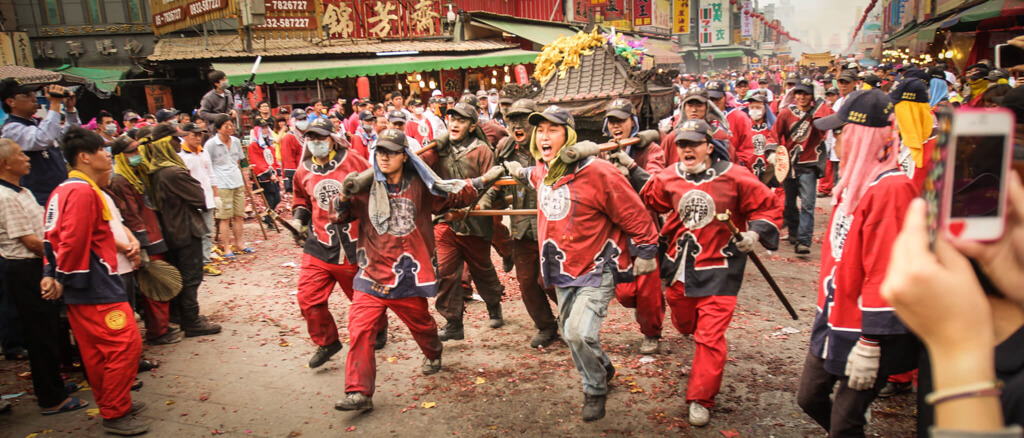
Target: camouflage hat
(620,109)
(392,140)
(522,107)
(553,114)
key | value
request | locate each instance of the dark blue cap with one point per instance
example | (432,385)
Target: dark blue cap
(870,108)
(909,89)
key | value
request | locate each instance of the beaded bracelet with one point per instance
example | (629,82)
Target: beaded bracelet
(991,388)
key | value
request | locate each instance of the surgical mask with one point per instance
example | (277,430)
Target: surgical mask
(756,114)
(699,168)
(174,122)
(135,160)
(368,128)
(110,128)
(319,148)
(223,84)
(301,125)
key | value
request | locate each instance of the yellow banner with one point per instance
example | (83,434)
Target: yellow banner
(681,17)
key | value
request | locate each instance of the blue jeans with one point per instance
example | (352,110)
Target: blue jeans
(581,311)
(801,224)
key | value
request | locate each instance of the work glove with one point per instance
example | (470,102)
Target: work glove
(622,158)
(746,241)
(770,158)
(356,183)
(300,238)
(644,266)
(513,168)
(578,151)
(647,137)
(493,174)
(862,365)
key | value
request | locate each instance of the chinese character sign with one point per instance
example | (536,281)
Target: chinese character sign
(642,12)
(681,16)
(747,22)
(718,22)
(704,22)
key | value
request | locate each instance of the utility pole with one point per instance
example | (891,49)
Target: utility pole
(696,7)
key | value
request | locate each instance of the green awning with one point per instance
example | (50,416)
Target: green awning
(927,33)
(537,33)
(275,72)
(718,53)
(106,79)
(911,27)
(989,9)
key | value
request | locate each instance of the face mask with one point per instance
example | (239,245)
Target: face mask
(174,122)
(756,114)
(319,148)
(368,128)
(696,169)
(135,160)
(301,125)
(111,129)
(223,84)
(418,110)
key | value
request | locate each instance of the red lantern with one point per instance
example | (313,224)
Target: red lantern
(363,87)
(746,12)
(521,77)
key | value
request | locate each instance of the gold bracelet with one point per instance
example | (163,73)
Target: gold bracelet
(986,388)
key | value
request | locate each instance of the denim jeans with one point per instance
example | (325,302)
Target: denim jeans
(801,224)
(581,312)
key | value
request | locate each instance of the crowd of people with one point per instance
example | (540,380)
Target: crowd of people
(382,197)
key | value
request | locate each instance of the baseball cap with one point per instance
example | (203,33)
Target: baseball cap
(464,109)
(121,145)
(320,126)
(481,93)
(470,99)
(355,101)
(937,73)
(12,86)
(693,130)
(806,85)
(130,115)
(553,114)
(392,140)
(366,115)
(870,108)
(792,78)
(166,114)
(698,94)
(909,89)
(397,116)
(758,96)
(298,114)
(742,81)
(492,91)
(716,89)
(997,74)
(831,90)
(762,81)
(162,130)
(872,80)
(522,107)
(620,109)
(449,100)
(192,127)
(505,98)
(436,93)
(848,75)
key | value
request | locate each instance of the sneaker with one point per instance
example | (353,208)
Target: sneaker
(211,270)
(126,425)
(544,338)
(650,345)
(699,415)
(355,401)
(137,407)
(324,353)
(174,328)
(202,328)
(494,313)
(609,373)
(167,338)
(431,366)
(892,388)
(452,331)
(593,407)
(136,385)
(802,249)
(382,339)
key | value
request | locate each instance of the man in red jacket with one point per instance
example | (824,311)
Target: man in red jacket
(587,215)
(741,146)
(264,164)
(292,144)
(329,249)
(81,266)
(394,203)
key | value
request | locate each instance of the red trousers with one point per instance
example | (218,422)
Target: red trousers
(706,318)
(155,315)
(111,346)
(364,318)
(645,296)
(907,377)
(316,282)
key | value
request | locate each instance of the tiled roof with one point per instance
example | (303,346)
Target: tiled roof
(599,76)
(30,75)
(230,46)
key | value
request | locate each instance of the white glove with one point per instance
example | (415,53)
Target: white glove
(747,241)
(771,158)
(513,168)
(622,158)
(644,266)
(862,365)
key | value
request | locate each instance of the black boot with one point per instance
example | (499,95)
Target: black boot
(324,353)
(593,407)
(452,331)
(494,312)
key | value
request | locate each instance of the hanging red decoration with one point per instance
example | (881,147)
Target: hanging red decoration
(363,87)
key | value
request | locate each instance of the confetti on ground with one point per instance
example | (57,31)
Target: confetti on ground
(428,405)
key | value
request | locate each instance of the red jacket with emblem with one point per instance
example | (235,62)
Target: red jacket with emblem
(763,140)
(740,136)
(291,150)
(315,186)
(401,262)
(78,246)
(854,259)
(584,223)
(804,142)
(420,130)
(262,159)
(701,251)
